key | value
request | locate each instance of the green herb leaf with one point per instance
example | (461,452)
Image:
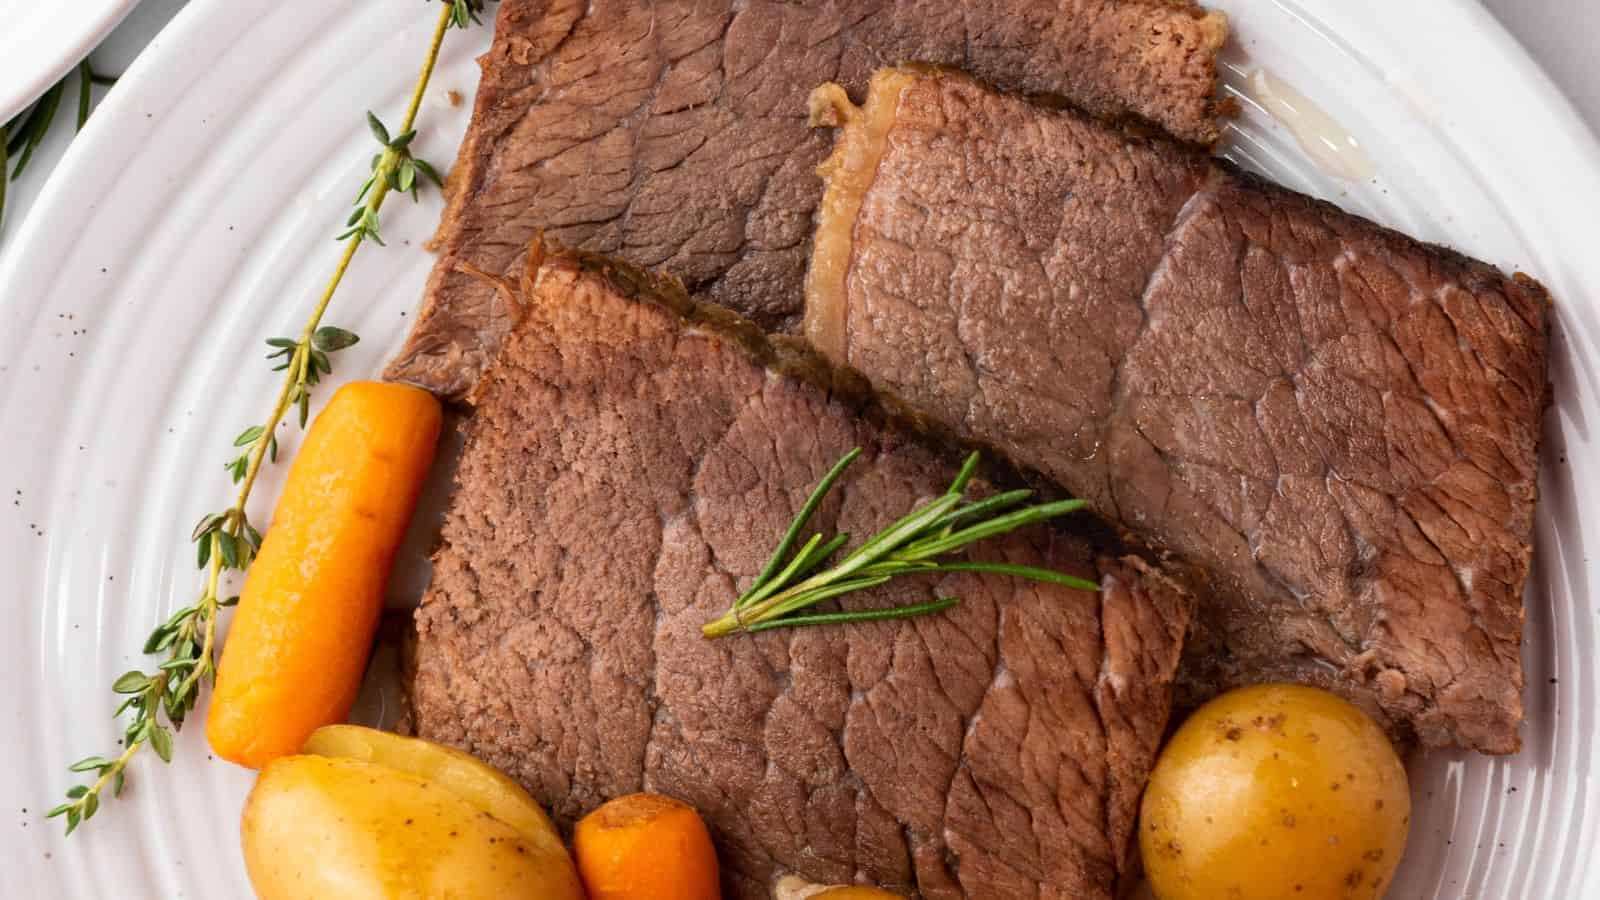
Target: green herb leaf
(228,546)
(131,682)
(913,545)
(428,171)
(161,743)
(89,764)
(959,486)
(178,616)
(1028,572)
(160,639)
(85,85)
(861,615)
(330,338)
(464,12)
(206,525)
(36,127)
(994,527)
(985,507)
(829,479)
(378,131)
(5,163)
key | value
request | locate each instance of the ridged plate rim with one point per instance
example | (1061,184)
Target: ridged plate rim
(157,220)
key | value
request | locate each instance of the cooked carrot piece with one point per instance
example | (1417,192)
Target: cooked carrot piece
(645,847)
(300,638)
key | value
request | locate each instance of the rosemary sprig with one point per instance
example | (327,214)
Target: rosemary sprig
(28,128)
(917,544)
(158,702)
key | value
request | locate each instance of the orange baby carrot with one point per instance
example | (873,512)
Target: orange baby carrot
(645,847)
(301,635)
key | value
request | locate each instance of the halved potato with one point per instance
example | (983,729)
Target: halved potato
(474,781)
(317,827)
(367,813)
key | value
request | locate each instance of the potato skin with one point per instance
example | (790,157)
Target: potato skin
(317,827)
(471,779)
(1275,791)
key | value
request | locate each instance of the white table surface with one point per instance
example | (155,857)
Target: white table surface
(1560,34)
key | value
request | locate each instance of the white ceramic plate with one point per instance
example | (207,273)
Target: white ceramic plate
(195,217)
(41,40)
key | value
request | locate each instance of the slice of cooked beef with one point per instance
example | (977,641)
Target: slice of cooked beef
(630,461)
(674,134)
(1339,423)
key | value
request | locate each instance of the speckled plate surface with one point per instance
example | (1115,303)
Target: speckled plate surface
(41,40)
(195,215)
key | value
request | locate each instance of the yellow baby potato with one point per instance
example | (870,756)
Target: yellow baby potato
(474,781)
(319,827)
(1273,792)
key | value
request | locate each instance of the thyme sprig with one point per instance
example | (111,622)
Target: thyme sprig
(917,544)
(27,130)
(394,166)
(157,702)
(465,12)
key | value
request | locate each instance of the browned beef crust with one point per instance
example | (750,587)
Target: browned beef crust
(631,460)
(1340,424)
(674,134)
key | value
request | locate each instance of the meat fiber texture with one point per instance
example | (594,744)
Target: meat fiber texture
(1340,424)
(626,472)
(673,134)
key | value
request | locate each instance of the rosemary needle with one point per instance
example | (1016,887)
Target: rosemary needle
(916,544)
(5,159)
(28,129)
(865,615)
(85,84)
(799,523)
